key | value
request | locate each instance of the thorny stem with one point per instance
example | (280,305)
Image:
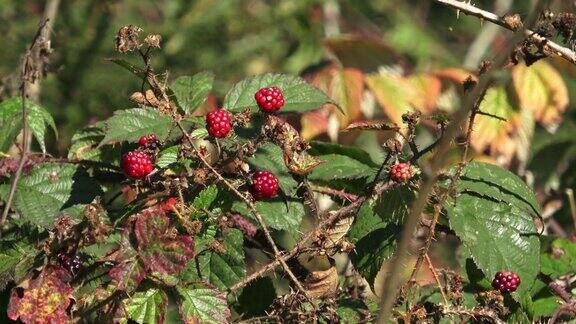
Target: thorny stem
(433,270)
(467,8)
(252,208)
(333,192)
(329,219)
(393,281)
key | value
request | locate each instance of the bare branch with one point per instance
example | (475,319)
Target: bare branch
(469,9)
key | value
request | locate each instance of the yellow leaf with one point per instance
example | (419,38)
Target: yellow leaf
(491,133)
(398,95)
(541,90)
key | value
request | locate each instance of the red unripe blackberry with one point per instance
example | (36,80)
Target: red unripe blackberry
(168,204)
(401,172)
(137,164)
(269,99)
(148,140)
(264,185)
(218,123)
(506,281)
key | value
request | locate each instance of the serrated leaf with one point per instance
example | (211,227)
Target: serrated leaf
(498,235)
(203,305)
(492,181)
(147,306)
(129,67)
(269,157)
(50,188)
(127,273)
(130,124)
(221,270)
(11,122)
(43,299)
(541,90)
(340,167)
(324,148)
(168,156)
(16,257)
(85,142)
(351,310)
(256,297)
(205,198)
(373,249)
(299,96)
(560,260)
(191,91)
(160,248)
(277,213)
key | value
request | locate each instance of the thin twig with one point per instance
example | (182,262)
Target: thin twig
(570,194)
(467,8)
(393,281)
(433,270)
(32,69)
(333,192)
(252,209)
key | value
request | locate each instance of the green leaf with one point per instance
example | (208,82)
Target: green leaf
(299,96)
(391,207)
(50,188)
(16,257)
(373,249)
(130,124)
(191,91)
(257,297)
(203,305)
(496,183)
(340,167)
(85,142)
(206,198)
(129,67)
(561,260)
(499,236)
(147,306)
(277,213)
(167,156)
(269,157)
(351,310)
(324,148)
(220,270)
(11,122)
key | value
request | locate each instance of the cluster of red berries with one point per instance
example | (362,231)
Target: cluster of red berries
(506,281)
(269,99)
(218,123)
(401,172)
(264,185)
(137,164)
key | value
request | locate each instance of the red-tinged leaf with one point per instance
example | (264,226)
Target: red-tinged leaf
(371,125)
(42,299)
(454,75)
(345,86)
(398,95)
(127,272)
(161,248)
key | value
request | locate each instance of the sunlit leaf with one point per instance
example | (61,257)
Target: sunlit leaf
(541,89)
(203,305)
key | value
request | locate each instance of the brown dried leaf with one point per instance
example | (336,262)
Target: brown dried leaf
(372,125)
(320,284)
(335,233)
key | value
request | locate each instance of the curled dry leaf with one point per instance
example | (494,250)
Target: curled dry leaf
(320,284)
(42,299)
(335,233)
(371,125)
